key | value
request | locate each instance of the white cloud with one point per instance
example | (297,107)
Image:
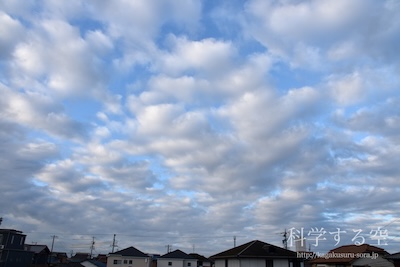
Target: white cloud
(349,89)
(169,116)
(39,112)
(208,55)
(11,31)
(365,25)
(56,55)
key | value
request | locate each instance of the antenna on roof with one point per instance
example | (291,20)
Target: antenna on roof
(234,241)
(1,220)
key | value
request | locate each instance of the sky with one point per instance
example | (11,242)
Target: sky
(198,124)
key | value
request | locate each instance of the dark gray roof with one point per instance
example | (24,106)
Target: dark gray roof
(394,256)
(11,231)
(199,257)
(176,254)
(349,250)
(37,248)
(131,251)
(255,249)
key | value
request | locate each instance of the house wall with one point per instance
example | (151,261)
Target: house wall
(136,262)
(208,264)
(13,253)
(190,263)
(41,258)
(176,263)
(12,239)
(219,263)
(231,263)
(281,263)
(16,258)
(252,263)
(165,263)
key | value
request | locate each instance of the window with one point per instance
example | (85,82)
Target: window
(189,264)
(269,263)
(125,261)
(170,263)
(117,261)
(130,261)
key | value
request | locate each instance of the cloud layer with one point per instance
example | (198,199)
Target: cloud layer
(161,124)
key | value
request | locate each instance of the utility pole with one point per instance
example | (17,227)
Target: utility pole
(284,241)
(113,244)
(92,248)
(52,243)
(234,241)
(52,246)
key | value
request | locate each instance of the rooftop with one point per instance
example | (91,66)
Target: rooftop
(256,249)
(348,250)
(176,254)
(131,251)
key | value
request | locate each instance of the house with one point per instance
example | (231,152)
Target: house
(41,255)
(201,260)
(58,257)
(80,257)
(176,258)
(257,254)
(12,250)
(101,258)
(128,257)
(154,258)
(353,256)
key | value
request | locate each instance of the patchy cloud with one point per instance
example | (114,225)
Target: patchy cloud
(184,123)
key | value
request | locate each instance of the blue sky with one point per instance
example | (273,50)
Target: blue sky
(186,123)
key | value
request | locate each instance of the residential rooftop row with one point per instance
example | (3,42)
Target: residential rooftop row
(15,253)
